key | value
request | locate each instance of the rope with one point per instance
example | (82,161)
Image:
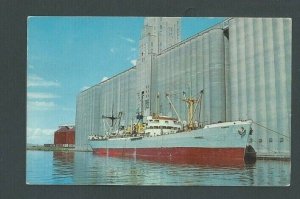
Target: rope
(271,130)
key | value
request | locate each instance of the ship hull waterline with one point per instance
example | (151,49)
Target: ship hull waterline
(223,145)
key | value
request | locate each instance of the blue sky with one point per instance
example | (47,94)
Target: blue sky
(68,54)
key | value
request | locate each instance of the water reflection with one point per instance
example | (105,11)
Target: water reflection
(87,168)
(63,166)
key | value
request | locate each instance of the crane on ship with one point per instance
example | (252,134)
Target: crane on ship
(192,104)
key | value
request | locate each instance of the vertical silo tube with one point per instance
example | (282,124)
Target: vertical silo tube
(182,109)
(227,77)
(111,106)
(250,75)
(242,86)
(177,83)
(97,109)
(104,97)
(94,99)
(92,104)
(131,92)
(87,116)
(188,68)
(233,70)
(287,25)
(89,121)
(83,118)
(78,120)
(153,87)
(169,74)
(106,105)
(206,78)
(121,96)
(128,97)
(92,119)
(99,91)
(159,81)
(193,48)
(173,78)
(195,90)
(116,93)
(163,81)
(260,85)
(281,82)
(102,107)
(270,78)
(216,74)
(199,73)
(168,80)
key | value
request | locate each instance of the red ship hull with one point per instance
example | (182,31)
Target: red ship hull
(181,155)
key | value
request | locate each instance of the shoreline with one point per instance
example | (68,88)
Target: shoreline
(43,148)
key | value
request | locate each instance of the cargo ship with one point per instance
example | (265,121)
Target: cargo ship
(167,139)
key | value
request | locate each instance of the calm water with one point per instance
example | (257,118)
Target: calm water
(81,168)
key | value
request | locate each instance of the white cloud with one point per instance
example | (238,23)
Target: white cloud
(132,49)
(128,39)
(133,62)
(36,95)
(40,105)
(104,79)
(40,136)
(112,50)
(36,81)
(39,132)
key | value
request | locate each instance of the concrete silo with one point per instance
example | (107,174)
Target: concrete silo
(243,65)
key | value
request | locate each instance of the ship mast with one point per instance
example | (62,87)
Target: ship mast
(112,117)
(192,108)
(192,104)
